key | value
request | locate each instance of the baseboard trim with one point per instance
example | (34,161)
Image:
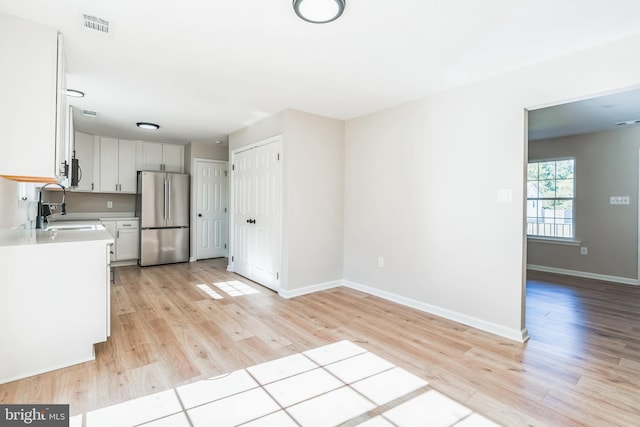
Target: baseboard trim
(512,334)
(309,289)
(583,274)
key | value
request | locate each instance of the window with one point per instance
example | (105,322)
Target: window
(550,193)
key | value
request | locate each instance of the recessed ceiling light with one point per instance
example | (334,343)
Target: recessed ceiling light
(148,125)
(75,93)
(628,122)
(318,11)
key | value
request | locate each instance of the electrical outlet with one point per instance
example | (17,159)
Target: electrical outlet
(109,204)
(619,200)
(584,250)
(380,262)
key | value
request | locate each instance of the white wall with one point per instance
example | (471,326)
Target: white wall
(313,177)
(14,212)
(606,165)
(452,151)
(314,199)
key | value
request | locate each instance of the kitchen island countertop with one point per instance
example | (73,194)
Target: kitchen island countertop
(21,236)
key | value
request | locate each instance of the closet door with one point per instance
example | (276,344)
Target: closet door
(267,216)
(257,212)
(244,194)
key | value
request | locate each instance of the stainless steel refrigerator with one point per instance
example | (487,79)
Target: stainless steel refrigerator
(162,204)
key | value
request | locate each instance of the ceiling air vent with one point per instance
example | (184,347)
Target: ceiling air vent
(89,113)
(94,23)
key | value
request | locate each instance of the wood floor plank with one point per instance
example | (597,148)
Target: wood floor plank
(580,368)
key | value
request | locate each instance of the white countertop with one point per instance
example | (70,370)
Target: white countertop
(20,237)
(105,216)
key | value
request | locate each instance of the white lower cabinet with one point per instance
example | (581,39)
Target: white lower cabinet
(126,235)
(52,315)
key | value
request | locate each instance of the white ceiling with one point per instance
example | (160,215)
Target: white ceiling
(585,116)
(205,68)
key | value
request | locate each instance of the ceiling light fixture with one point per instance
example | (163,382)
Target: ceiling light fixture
(318,11)
(148,125)
(75,93)
(628,122)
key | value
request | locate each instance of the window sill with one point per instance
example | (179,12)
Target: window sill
(554,241)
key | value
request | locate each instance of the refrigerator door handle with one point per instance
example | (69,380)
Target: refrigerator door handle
(169,200)
(164,213)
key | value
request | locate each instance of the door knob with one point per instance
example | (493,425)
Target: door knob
(248,221)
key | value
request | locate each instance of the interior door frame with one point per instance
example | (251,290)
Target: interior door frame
(194,205)
(231,214)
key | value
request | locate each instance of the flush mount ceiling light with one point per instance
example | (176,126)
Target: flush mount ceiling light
(147,125)
(75,93)
(318,11)
(628,122)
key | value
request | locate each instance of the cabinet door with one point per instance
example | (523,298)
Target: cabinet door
(151,156)
(109,165)
(63,148)
(28,66)
(172,157)
(127,246)
(110,226)
(85,155)
(127,176)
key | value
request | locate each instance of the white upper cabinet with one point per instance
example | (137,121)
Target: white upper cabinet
(87,153)
(117,165)
(172,157)
(127,171)
(161,157)
(33,101)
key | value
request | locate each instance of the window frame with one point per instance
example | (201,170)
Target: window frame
(542,199)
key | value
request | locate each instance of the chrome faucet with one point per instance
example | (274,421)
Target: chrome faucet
(44,209)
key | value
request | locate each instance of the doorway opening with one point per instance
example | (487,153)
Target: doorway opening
(602,134)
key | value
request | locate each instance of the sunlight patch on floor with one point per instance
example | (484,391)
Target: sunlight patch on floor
(236,288)
(207,290)
(337,384)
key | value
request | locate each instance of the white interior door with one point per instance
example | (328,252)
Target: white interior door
(211,209)
(243,169)
(257,182)
(266,219)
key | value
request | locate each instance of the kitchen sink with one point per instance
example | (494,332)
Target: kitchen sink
(58,227)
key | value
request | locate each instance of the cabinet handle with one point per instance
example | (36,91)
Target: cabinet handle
(118,234)
(92,186)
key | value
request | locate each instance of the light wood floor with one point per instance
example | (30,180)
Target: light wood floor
(581,366)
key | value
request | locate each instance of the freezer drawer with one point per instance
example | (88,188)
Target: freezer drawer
(164,246)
